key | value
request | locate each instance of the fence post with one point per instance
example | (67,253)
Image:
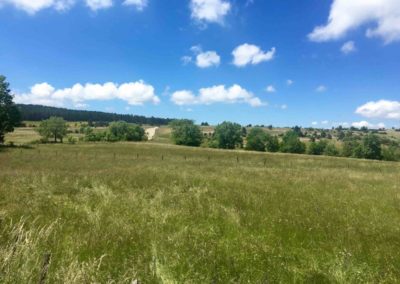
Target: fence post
(162,158)
(265,162)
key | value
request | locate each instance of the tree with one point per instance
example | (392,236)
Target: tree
(185,132)
(372,147)
(256,139)
(292,144)
(228,135)
(9,113)
(272,144)
(331,150)
(54,127)
(316,148)
(123,131)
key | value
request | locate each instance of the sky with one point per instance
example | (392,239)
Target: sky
(281,62)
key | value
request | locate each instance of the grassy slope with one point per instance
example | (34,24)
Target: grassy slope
(296,219)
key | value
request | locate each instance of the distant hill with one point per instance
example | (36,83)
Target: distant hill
(39,112)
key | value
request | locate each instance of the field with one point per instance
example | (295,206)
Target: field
(113,213)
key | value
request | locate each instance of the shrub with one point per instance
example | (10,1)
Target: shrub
(292,144)
(331,150)
(185,132)
(372,147)
(228,135)
(256,139)
(272,144)
(316,148)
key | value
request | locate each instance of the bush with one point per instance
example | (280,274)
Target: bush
(228,135)
(272,144)
(185,132)
(331,150)
(316,148)
(123,131)
(372,147)
(256,139)
(391,153)
(292,144)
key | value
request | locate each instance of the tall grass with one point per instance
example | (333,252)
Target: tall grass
(206,218)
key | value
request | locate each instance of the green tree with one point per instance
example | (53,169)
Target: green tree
(292,144)
(123,131)
(228,135)
(272,144)
(185,132)
(54,127)
(331,150)
(316,148)
(256,139)
(372,147)
(9,113)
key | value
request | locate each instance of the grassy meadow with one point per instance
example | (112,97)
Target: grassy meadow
(113,213)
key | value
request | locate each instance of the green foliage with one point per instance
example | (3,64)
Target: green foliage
(117,131)
(391,153)
(331,150)
(54,127)
(317,148)
(123,131)
(228,135)
(292,144)
(256,139)
(9,113)
(272,144)
(185,132)
(372,147)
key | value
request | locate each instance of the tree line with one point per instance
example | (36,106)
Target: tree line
(39,113)
(229,135)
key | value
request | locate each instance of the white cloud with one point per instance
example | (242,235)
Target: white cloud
(321,89)
(382,17)
(348,47)
(270,89)
(314,123)
(325,122)
(204,59)
(364,123)
(207,59)
(33,6)
(99,4)
(380,109)
(138,4)
(289,82)
(134,93)
(284,107)
(209,11)
(183,97)
(216,94)
(251,54)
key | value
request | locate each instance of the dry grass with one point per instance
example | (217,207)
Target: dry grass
(206,218)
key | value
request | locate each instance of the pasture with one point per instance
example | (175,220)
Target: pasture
(114,213)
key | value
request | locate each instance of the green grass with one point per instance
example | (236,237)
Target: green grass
(206,219)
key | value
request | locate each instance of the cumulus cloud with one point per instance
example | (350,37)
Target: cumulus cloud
(216,94)
(204,59)
(314,123)
(209,11)
(134,93)
(34,6)
(364,123)
(99,4)
(138,4)
(270,89)
(348,47)
(251,54)
(207,59)
(289,82)
(381,16)
(383,109)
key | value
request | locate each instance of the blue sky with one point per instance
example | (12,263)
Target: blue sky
(311,63)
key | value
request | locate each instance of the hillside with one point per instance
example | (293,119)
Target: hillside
(39,112)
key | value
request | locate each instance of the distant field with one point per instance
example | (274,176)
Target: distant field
(112,213)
